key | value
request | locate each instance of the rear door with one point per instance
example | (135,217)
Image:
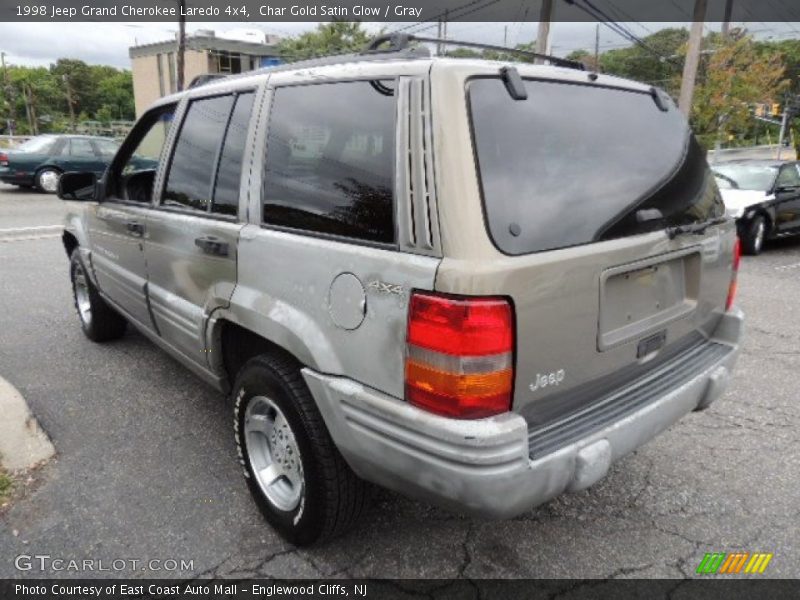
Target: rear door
(787,198)
(191,249)
(117,224)
(581,208)
(81,155)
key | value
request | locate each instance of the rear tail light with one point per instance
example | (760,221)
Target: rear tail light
(737,257)
(3,159)
(459,355)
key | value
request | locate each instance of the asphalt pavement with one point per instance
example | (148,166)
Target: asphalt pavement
(146,466)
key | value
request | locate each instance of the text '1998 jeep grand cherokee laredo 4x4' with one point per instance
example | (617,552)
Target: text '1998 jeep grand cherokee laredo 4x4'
(476,283)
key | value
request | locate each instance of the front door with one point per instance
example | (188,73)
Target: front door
(192,234)
(787,198)
(117,225)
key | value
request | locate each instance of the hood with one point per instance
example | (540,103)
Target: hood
(736,200)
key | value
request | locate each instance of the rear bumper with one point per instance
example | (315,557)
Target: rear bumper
(483,467)
(15,177)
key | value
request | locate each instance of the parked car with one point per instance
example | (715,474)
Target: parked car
(764,198)
(419,272)
(41,160)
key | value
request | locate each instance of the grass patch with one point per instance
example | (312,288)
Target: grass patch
(6,485)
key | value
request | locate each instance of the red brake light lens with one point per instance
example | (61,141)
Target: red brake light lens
(459,355)
(3,159)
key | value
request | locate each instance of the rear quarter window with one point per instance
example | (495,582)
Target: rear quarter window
(572,164)
(330,160)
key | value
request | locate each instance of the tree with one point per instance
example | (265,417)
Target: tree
(53,99)
(735,77)
(339,37)
(76,82)
(657,64)
(585,57)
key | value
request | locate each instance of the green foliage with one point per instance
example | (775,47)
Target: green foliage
(6,485)
(733,74)
(98,92)
(641,64)
(339,37)
(735,77)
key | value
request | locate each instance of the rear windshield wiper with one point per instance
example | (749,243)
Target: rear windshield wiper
(698,228)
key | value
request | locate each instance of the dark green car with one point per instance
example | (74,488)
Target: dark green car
(40,161)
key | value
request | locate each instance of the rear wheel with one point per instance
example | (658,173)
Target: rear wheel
(99,321)
(296,475)
(754,235)
(47,180)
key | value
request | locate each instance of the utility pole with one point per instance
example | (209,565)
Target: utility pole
(30,108)
(505,36)
(181,44)
(784,124)
(726,20)
(543,35)
(444,25)
(692,57)
(597,47)
(439,33)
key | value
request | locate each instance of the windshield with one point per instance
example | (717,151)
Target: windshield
(40,144)
(575,164)
(747,177)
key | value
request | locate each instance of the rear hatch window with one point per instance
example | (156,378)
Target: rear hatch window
(574,164)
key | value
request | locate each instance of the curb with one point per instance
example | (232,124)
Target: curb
(23,443)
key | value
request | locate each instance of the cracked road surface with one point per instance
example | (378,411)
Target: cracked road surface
(146,466)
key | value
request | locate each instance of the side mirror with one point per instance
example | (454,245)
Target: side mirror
(77,186)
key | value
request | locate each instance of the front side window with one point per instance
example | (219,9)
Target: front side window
(133,172)
(191,172)
(789,177)
(574,164)
(330,160)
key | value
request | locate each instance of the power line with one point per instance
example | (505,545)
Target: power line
(601,16)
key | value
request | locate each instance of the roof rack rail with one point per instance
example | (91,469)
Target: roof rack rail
(397,42)
(204,79)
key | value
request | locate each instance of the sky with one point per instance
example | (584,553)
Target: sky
(39,44)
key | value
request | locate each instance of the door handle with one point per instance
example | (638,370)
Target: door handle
(135,228)
(212,245)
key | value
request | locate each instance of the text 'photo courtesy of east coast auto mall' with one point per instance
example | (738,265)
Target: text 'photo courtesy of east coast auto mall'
(445,299)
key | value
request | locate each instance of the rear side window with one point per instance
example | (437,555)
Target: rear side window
(81,148)
(194,159)
(226,190)
(575,164)
(330,157)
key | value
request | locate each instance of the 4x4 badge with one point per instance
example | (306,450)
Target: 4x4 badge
(386,288)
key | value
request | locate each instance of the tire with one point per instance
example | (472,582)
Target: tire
(754,234)
(47,180)
(100,322)
(281,438)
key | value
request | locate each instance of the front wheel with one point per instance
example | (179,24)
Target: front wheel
(47,180)
(754,234)
(100,322)
(296,475)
